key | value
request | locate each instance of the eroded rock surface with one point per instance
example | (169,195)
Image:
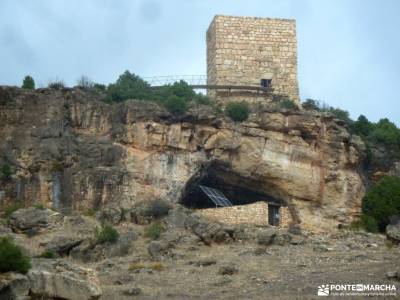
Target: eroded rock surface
(72,151)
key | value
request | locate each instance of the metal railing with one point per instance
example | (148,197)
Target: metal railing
(199,82)
(157,81)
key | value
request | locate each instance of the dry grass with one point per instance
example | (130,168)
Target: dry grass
(157,266)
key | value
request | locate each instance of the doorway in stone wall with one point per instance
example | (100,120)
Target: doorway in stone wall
(273,214)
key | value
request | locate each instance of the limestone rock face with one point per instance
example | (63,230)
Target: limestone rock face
(72,152)
(63,280)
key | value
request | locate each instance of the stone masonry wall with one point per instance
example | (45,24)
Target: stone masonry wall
(244,50)
(255,213)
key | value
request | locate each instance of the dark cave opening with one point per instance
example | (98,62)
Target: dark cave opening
(238,189)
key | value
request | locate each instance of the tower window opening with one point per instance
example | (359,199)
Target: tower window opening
(266,83)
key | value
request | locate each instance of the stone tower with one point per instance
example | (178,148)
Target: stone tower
(247,51)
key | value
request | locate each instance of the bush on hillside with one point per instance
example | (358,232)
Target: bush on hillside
(12,258)
(175,105)
(154,230)
(5,172)
(385,132)
(56,84)
(106,234)
(237,111)
(288,104)
(129,86)
(28,83)
(157,209)
(383,201)
(311,104)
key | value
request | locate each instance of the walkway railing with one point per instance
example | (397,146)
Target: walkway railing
(164,80)
(200,82)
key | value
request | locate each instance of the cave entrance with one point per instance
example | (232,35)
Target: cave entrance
(216,186)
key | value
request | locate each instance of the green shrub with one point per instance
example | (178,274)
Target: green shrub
(175,105)
(340,114)
(385,132)
(106,234)
(311,104)
(12,258)
(288,104)
(99,86)
(157,209)
(39,206)
(237,111)
(369,223)
(362,126)
(129,86)
(47,254)
(28,83)
(382,201)
(202,99)
(5,172)
(154,230)
(56,84)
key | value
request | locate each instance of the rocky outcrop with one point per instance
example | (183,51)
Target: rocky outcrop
(71,151)
(51,279)
(33,218)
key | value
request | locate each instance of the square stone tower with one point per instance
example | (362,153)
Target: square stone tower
(254,52)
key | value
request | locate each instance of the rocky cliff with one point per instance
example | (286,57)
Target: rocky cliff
(70,150)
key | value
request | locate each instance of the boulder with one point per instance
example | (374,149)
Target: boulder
(89,250)
(282,239)
(62,245)
(32,218)
(266,236)
(207,231)
(86,251)
(393,232)
(59,279)
(14,286)
(177,216)
(121,247)
(158,250)
(81,226)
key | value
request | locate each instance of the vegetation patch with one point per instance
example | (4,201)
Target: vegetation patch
(237,111)
(157,266)
(39,206)
(288,104)
(174,97)
(5,172)
(28,83)
(47,254)
(12,258)
(106,234)
(157,209)
(380,203)
(56,84)
(154,230)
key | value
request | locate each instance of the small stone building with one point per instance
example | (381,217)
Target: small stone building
(259,213)
(253,52)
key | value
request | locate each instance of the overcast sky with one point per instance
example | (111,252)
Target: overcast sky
(348,51)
